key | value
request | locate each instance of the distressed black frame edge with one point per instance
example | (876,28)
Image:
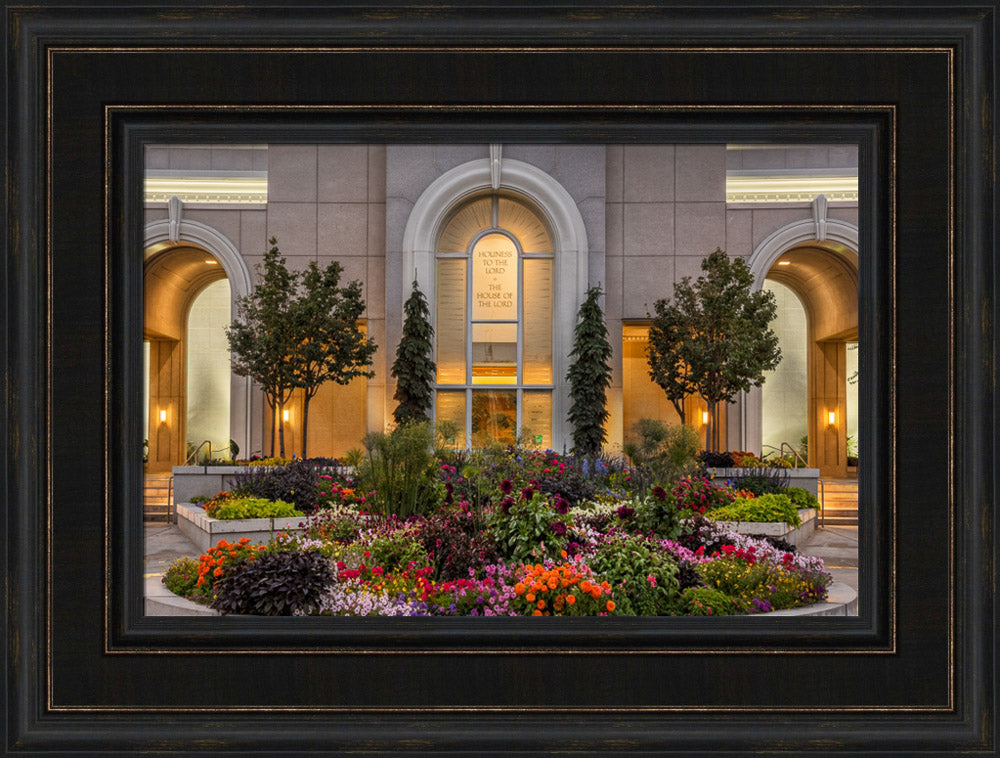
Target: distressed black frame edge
(976,287)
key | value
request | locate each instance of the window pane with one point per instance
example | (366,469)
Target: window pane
(536,419)
(451,322)
(494,279)
(466,224)
(494,353)
(494,417)
(525,224)
(537,322)
(451,418)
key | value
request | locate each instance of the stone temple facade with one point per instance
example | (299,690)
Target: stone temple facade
(504,241)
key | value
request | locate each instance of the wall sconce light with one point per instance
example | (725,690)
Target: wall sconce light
(163,416)
(704,417)
(831,417)
(285,415)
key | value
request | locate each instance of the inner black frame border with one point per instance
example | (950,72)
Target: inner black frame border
(872,128)
(965,721)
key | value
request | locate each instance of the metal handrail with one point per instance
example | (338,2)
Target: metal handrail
(794,453)
(197,450)
(171,509)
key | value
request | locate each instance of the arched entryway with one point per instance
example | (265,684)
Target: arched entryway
(174,277)
(817,260)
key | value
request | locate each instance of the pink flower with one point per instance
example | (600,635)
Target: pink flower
(651,579)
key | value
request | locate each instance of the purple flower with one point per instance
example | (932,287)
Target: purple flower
(625,513)
(659,493)
(561,505)
(558,528)
(506,486)
(505,504)
(527,493)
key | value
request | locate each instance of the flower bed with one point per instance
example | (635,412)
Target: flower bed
(502,533)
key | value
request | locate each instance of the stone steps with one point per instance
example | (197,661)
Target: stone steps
(157,496)
(840,502)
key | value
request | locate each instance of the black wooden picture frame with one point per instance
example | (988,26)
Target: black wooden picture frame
(88,85)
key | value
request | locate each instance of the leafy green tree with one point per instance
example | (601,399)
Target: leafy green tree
(260,337)
(589,376)
(328,343)
(298,330)
(413,368)
(715,336)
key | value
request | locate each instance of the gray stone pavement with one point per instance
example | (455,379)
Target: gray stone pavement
(164,544)
(838,547)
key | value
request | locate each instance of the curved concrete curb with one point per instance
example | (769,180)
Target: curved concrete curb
(162,602)
(841,600)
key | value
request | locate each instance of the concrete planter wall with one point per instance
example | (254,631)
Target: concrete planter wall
(205,532)
(777,528)
(805,478)
(203,481)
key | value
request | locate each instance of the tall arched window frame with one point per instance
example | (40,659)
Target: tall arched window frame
(495,262)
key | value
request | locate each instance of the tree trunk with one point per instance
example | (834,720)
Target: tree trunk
(305,422)
(280,416)
(274,420)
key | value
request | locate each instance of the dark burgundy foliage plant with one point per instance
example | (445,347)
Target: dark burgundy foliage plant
(275,584)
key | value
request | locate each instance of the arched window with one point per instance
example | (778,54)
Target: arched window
(494,275)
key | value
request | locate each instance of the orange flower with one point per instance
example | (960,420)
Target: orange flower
(530,597)
(540,604)
(570,599)
(585,585)
(562,553)
(611,605)
(519,588)
(536,613)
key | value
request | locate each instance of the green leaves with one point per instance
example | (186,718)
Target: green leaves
(589,376)
(714,338)
(299,330)
(413,368)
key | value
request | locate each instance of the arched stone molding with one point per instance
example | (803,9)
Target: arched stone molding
(828,232)
(838,237)
(177,230)
(569,236)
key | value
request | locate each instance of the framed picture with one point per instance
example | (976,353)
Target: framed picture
(436,107)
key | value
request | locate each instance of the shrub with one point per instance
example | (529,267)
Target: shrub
(698,494)
(705,601)
(215,563)
(275,584)
(294,483)
(801,498)
(739,575)
(565,589)
(181,576)
(769,507)
(661,452)
(455,544)
(394,549)
(402,471)
(251,507)
(658,513)
(333,525)
(644,576)
(529,527)
(763,481)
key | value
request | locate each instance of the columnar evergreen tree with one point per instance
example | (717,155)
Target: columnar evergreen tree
(260,336)
(329,345)
(589,376)
(714,337)
(414,368)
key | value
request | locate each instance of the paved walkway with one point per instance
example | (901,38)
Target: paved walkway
(164,544)
(838,547)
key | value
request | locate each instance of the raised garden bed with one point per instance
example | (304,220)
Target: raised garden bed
(205,531)
(805,478)
(794,535)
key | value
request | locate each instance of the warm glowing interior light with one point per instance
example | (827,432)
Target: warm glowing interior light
(285,415)
(213,262)
(704,417)
(784,263)
(831,417)
(163,417)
